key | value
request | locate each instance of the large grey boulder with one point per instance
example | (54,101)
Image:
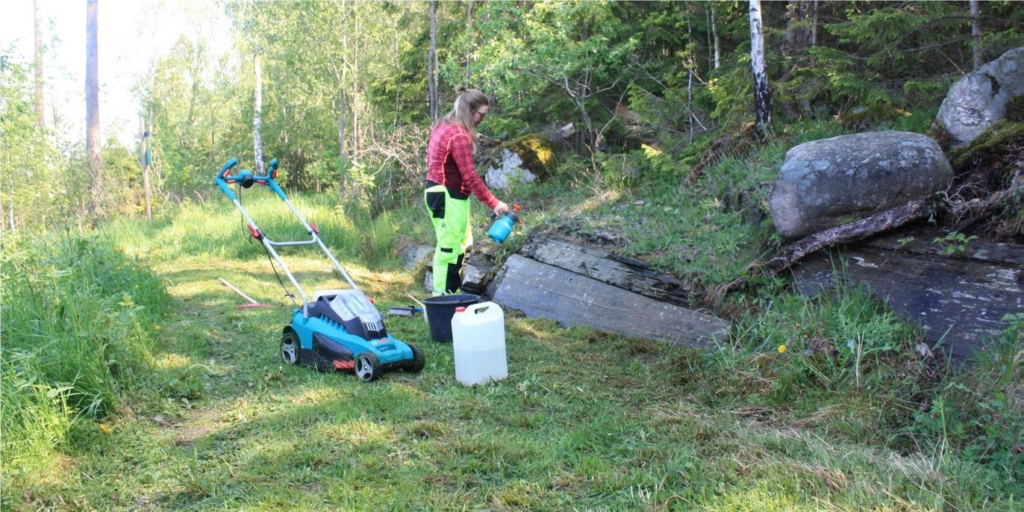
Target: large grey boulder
(508,170)
(829,182)
(979,98)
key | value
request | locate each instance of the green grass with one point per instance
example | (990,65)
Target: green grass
(200,414)
(585,420)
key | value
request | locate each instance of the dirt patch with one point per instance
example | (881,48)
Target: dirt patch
(199,425)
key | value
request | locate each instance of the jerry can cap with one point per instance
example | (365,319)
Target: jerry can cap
(460,309)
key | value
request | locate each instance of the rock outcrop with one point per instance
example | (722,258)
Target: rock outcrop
(980,98)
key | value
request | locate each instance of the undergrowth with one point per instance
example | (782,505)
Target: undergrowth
(79,323)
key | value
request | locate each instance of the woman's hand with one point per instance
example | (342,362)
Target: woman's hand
(501,209)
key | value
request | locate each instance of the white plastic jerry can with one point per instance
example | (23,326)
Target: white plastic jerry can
(478,337)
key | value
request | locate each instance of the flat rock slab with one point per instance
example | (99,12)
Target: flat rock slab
(620,271)
(541,290)
(958,300)
(413,255)
(477,272)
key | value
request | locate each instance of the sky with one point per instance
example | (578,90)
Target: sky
(129,37)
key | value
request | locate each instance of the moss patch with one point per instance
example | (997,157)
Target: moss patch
(1015,110)
(536,152)
(992,143)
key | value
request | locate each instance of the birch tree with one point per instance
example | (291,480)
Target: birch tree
(762,95)
(432,62)
(257,110)
(976,33)
(40,102)
(92,109)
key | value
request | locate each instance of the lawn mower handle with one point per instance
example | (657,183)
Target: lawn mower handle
(246,178)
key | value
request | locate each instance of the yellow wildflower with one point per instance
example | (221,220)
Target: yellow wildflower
(157,327)
(782,349)
(105,429)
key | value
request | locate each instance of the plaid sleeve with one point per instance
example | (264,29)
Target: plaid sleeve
(461,149)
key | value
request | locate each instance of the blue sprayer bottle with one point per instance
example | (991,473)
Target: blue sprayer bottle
(502,227)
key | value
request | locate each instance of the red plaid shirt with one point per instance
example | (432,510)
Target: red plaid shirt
(450,163)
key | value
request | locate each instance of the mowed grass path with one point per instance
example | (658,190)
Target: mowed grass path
(585,421)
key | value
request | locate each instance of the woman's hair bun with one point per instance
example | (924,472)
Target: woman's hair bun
(460,89)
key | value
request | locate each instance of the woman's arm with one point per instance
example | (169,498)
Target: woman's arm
(461,148)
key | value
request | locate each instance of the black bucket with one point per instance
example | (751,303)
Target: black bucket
(440,311)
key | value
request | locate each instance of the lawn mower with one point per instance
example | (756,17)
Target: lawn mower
(334,329)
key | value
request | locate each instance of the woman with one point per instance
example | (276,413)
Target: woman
(451,177)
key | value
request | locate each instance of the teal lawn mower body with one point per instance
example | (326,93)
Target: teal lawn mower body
(334,330)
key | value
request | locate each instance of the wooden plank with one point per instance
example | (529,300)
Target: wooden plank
(541,290)
(958,301)
(620,271)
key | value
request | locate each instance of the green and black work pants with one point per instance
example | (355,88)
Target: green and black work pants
(450,216)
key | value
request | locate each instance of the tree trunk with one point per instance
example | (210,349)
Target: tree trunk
(10,202)
(357,136)
(798,34)
(92,109)
(814,23)
(976,33)
(343,107)
(342,149)
(762,95)
(432,62)
(714,33)
(257,110)
(469,44)
(40,103)
(689,80)
(145,160)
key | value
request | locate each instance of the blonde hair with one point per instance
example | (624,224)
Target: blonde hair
(467,102)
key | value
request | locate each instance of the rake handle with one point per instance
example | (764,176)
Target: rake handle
(236,290)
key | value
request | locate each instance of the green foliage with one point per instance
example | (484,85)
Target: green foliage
(39,186)
(891,57)
(954,243)
(85,310)
(78,330)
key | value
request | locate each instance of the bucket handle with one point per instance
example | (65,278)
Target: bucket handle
(481,307)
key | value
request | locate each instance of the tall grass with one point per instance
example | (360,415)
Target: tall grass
(78,318)
(36,418)
(216,228)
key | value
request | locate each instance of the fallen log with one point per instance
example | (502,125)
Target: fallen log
(541,290)
(857,230)
(980,209)
(614,269)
